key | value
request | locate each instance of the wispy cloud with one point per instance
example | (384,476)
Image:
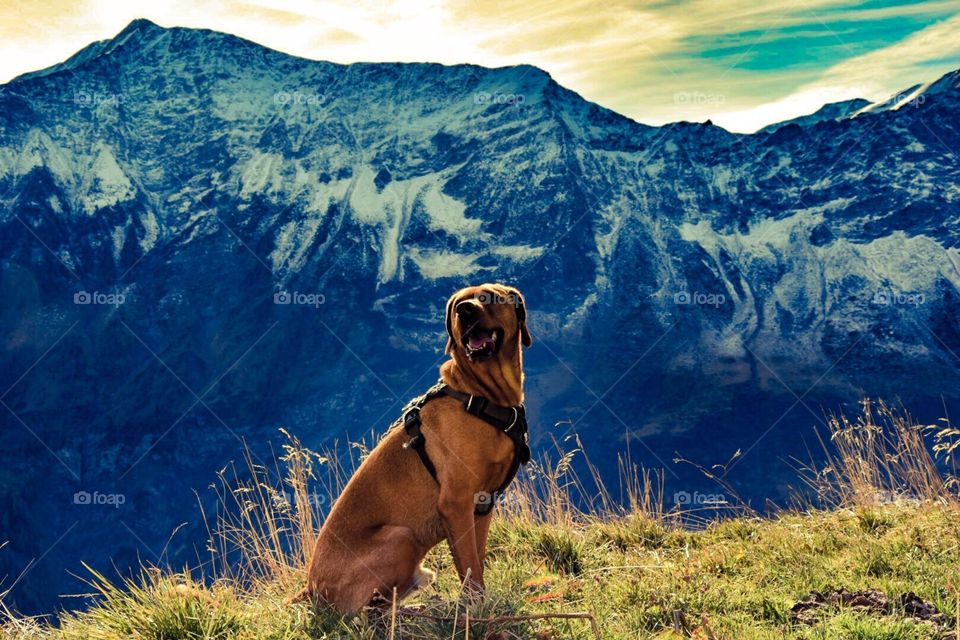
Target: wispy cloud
(876,75)
(741,63)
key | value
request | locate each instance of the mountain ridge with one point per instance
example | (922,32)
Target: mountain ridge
(690,290)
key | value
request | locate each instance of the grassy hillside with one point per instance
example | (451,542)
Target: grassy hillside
(882,561)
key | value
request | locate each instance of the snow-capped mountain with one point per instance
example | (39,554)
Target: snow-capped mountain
(203,240)
(829,112)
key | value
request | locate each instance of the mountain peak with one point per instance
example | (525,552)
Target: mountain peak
(916,95)
(831,111)
(139,25)
(140,30)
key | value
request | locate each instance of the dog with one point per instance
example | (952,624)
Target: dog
(396,507)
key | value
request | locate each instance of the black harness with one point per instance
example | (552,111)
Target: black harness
(511,421)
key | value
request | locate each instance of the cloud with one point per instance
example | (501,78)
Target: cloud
(875,76)
(742,63)
(902,60)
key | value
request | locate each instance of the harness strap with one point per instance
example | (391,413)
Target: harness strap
(511,421)
(411,424)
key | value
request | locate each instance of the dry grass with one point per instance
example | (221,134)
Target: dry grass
(889,519)
(264,529)
(882,456)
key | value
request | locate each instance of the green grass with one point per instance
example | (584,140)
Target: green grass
(737,579)
(635,570)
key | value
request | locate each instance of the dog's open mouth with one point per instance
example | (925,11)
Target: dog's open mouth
(481,343)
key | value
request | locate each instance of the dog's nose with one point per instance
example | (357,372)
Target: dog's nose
(468,309)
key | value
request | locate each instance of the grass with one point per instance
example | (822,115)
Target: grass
(882,521)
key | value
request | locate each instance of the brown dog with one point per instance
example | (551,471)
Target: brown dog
(394,510)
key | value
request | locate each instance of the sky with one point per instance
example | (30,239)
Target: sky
(741,63)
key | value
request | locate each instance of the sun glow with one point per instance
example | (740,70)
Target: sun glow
(739,63)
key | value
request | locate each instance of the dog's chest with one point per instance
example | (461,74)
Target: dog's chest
(431,531)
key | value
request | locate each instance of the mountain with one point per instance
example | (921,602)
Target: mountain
(690,290)
(828,112)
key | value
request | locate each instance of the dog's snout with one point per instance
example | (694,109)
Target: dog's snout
(468,309)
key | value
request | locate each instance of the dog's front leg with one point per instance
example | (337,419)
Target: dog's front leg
(482,528)
(456,513)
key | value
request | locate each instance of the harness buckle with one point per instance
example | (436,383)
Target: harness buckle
(411,424)
(476,405)
(516,416)
(410,415)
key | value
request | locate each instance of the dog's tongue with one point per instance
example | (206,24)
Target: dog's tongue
(481,339)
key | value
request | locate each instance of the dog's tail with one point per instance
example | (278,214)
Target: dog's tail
(422,577)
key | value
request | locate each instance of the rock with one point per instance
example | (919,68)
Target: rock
(809,609)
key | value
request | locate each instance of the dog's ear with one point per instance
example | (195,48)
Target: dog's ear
(521,306)
(449,321)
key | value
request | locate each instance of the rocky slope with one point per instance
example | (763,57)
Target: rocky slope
(690,289)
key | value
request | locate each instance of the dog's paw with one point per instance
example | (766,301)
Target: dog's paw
(303,597)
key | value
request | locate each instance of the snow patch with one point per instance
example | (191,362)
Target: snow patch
(151,231)
(104,182)
(389,211)
(119,235)
(654,169)
(293,243)
(443,264)
(446,213)
(261,174)
(809,284)
(518,252)
(54,203)
(37,150)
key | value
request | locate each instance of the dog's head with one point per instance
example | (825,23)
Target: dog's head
(484,320)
